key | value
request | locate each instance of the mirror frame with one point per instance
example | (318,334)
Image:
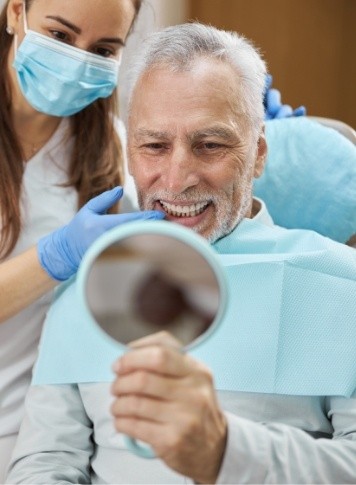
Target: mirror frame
(164,228)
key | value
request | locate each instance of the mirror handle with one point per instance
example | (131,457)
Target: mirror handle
(142,450)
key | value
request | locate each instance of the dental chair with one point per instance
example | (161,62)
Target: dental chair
(337,125)
(309,181)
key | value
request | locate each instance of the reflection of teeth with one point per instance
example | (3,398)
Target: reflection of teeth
(184,211)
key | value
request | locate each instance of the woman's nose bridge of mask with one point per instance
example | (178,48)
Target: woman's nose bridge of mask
(183,169)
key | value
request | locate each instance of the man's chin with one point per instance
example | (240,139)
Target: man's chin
(212,235)
(220,232)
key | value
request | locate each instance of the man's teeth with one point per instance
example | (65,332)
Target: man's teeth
(184,210)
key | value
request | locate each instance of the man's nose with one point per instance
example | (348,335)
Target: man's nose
(182,171)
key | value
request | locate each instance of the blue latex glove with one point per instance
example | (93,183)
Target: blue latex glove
(273,104)
(61,251)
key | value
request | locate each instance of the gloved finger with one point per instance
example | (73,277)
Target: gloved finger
(273,102)
(301,111)
(101,203)
(112,220)
(285,111)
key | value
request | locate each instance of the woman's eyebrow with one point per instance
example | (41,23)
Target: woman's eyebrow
(65,22)
(78,30)
(112,40)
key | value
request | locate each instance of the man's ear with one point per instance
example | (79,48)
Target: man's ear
(261,154)
(14,15)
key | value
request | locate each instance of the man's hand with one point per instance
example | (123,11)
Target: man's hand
(167,399)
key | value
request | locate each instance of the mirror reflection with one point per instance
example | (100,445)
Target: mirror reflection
(146,283)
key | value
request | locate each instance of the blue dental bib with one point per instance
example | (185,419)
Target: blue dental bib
(289,326)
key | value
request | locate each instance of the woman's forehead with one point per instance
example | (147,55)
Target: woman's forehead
(101,15)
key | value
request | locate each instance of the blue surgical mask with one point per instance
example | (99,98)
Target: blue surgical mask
(59,79)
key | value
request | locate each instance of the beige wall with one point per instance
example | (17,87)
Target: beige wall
(310,46)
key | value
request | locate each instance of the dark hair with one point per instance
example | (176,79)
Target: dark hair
(96,159)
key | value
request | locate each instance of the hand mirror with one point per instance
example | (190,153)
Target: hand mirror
(145,277)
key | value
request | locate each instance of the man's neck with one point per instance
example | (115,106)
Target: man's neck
(256,207)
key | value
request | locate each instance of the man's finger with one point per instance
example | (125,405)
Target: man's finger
(161,359)
(141,407)
(159,338)
(145,383)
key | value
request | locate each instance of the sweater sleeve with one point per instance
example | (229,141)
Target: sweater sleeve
(54,443)
(278,453)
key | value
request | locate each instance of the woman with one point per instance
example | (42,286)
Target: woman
(58,149)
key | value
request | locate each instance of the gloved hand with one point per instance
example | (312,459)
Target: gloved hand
(62,250)
(273,104)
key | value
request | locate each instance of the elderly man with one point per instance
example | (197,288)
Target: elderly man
(195,142)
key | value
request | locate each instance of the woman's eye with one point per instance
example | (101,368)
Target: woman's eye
(58,35)
(104,52)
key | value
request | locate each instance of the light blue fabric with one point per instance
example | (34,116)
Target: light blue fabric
(59,79)
(290,325)
(309,181)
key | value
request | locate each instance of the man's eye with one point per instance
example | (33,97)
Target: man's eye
(154,146)
(209,146)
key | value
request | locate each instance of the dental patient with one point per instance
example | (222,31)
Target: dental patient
(196,142)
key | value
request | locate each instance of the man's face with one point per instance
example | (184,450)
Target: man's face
(192,152)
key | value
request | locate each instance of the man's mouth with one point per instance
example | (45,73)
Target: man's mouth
(191,210)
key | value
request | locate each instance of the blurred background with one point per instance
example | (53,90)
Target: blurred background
(309,45)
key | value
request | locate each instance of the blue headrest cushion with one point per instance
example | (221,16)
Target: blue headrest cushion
(309,181)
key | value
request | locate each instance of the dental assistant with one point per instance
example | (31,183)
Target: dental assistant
(59,149)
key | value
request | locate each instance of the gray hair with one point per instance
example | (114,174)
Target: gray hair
(176,48)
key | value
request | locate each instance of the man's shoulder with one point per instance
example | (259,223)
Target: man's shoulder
(255,236)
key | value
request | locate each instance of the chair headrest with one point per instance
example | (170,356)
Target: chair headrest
(309,180)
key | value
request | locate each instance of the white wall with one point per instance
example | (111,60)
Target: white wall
(168,12)
(154,15)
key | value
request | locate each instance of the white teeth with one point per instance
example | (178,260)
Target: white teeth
(184,211)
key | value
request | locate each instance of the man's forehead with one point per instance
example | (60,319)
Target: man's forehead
(195,103)
(217,129)
(213,76)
